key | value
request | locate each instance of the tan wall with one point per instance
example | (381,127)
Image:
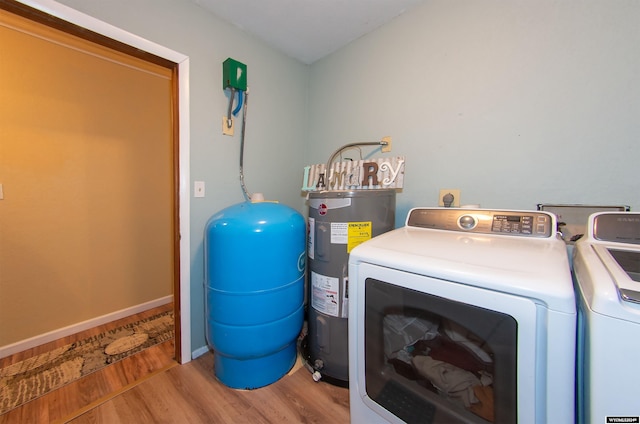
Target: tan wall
(86,170)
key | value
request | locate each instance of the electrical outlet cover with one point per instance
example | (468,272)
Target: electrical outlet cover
(226,129)
(387,148)
(456,197)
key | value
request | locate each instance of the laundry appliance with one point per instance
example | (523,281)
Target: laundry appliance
(606,269)
(463,315)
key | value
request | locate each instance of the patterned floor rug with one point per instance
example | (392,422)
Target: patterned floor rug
(29,379)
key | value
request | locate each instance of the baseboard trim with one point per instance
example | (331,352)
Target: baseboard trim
(81,326)
(199,352)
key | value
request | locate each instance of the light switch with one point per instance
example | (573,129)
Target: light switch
(1,192)
(198,189)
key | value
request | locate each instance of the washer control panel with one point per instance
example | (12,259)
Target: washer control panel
(484,221)
(620,227)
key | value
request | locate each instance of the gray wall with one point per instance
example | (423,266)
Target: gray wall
(514,102)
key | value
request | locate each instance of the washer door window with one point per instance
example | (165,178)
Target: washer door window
(432,359)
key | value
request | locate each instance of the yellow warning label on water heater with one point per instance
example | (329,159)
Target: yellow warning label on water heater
(358,232)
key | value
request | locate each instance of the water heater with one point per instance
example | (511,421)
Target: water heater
(338,221)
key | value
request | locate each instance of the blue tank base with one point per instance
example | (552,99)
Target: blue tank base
(254,373)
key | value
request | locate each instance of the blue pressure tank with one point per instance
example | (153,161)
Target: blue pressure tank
(254,276)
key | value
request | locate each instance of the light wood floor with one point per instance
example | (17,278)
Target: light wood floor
(150,387)
(191,394)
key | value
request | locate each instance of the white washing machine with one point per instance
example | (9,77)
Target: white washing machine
(606,268)
(465,316)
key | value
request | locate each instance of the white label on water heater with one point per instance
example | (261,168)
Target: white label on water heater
(325,295)
(339,232)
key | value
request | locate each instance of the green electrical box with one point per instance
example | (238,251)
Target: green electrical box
(234,75)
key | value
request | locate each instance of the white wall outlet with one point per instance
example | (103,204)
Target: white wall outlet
(227,126)
(449,198)
(198,189)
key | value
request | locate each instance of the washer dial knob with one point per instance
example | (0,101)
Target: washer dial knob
(467,222)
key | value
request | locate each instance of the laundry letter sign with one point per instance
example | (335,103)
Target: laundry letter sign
(369,174)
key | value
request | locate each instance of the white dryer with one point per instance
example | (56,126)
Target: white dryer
(463,316)
(607,277)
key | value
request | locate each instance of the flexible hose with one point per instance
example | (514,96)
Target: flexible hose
(346,146)
(231,96)
(247,195)
(239,105)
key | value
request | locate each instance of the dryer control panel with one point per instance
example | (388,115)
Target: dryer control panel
(485,221)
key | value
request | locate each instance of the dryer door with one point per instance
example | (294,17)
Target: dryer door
(436,351)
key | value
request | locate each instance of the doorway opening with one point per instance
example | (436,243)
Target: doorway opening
(66,20)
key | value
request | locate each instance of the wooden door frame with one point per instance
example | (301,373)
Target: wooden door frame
(71,21)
